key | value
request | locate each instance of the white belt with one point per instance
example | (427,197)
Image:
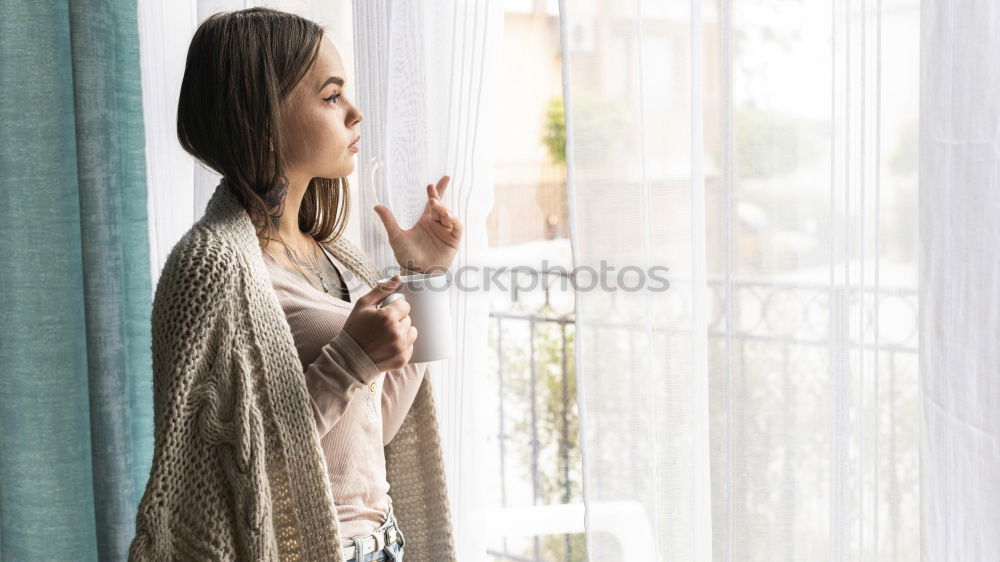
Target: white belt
(369,543)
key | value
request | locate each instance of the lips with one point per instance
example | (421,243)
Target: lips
(354,144)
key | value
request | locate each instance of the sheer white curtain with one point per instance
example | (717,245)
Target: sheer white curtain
(960,281)
(423,73)
(765,405)
(426,73)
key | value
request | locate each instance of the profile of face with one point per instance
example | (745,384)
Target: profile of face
(320,123)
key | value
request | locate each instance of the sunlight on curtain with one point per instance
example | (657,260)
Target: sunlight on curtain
(960,281)
(764,405)
(426,74)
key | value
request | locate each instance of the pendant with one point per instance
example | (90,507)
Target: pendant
(326,286)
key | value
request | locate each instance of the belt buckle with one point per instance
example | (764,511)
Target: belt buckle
(378,541)
(361,546)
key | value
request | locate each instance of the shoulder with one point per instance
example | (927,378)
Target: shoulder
(201,267)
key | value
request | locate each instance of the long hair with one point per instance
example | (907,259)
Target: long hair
(240,67)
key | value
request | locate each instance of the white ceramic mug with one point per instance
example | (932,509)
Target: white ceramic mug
(430,313)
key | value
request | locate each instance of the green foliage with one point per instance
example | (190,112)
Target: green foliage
(553,486)
(594,117)
(555,130)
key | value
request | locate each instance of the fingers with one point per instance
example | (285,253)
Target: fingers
(449,236)
(380,291)
(397,310)
(442,186)
(441,214)
(408,334)
(437,192)
(435,195)
(388,220)
(435,203)
(448,227)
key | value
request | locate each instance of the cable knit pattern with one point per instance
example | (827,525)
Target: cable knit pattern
(238,472)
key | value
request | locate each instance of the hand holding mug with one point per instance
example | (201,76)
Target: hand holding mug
(385,333)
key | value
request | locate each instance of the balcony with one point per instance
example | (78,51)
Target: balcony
(779,348)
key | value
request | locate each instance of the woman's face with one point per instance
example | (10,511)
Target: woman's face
(320,122)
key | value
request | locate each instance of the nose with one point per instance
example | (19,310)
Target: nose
(356,117)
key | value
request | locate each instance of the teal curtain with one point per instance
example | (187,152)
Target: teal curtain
(75,387)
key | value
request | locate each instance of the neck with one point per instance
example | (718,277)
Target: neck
(287,224)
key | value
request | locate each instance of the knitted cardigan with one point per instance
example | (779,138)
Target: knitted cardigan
(238,472)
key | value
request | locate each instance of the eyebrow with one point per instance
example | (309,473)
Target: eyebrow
(334,79)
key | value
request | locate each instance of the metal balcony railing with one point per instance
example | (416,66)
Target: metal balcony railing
(533,339)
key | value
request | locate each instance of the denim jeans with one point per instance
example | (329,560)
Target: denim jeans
(392,551)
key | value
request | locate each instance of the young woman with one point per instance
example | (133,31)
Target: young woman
(265,320)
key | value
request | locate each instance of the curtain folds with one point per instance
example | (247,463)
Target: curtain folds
(781,216)
(75,398)
(763,405)
(426,74)
(959,281)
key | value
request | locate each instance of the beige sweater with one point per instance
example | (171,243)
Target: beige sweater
(238,469)
(357,408)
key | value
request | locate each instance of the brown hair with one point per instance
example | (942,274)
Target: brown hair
(240,67)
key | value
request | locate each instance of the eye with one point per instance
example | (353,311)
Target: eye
(332,99)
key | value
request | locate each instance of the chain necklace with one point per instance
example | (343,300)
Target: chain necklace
(313,266)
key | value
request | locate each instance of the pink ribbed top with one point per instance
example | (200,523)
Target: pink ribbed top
(357,408)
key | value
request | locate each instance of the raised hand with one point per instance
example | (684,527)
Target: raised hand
(431,244)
